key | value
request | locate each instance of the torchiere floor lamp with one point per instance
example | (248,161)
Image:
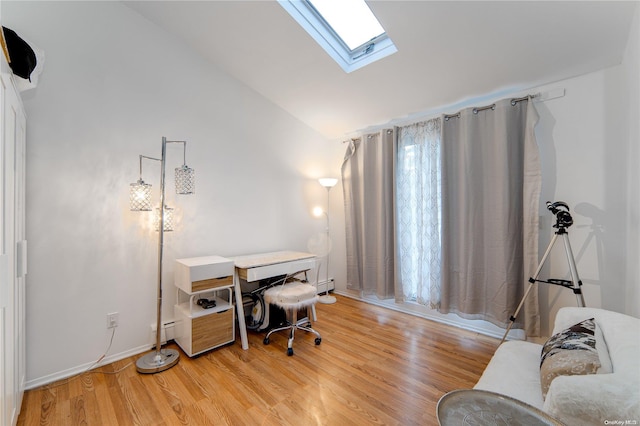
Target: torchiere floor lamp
(327,183)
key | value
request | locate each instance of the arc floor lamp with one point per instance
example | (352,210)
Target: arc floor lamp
(140,200)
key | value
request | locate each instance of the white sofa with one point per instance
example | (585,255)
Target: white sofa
(593,399)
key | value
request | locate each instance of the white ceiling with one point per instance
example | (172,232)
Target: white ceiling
(448,51)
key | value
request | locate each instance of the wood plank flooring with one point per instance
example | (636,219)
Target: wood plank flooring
(375,366)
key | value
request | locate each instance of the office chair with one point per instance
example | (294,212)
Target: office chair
(291,297)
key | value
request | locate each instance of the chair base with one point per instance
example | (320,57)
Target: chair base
(304,324)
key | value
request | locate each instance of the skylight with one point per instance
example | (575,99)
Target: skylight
(346,29)
(352,20)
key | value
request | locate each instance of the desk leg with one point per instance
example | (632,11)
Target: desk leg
(240,309)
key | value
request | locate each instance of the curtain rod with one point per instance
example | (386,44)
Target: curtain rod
(389,131)
(351,140)
(492,107)
(539,97)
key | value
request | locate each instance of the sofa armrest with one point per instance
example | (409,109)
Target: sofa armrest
(569,315)
(514,371)
(593,399)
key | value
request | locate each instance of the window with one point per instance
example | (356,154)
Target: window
(347,30)
(352,21)
(419,211)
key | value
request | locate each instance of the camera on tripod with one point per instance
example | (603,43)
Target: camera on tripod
(561,210)
(563,220)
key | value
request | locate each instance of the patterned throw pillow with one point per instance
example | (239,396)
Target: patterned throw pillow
(569,352)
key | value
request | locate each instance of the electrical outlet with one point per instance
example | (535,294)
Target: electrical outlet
(112,320)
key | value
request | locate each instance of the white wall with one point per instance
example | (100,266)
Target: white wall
(589,152)
(632,79)
(113,85)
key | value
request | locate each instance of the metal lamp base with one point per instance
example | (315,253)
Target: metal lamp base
(157,361)
(327,300)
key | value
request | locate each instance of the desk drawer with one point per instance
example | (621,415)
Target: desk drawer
(211,283)
(284,268)
(212,330)
(202,273)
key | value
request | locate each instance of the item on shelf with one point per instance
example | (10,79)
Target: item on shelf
(206,303)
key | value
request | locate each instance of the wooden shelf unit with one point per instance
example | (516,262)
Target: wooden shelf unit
(198,329)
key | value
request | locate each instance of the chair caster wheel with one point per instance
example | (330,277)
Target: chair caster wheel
(266,341)
(289,351)
(318,340)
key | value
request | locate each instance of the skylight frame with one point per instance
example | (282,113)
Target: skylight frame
(317,27)
(353,20)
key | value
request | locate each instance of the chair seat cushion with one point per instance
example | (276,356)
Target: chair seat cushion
(291,295)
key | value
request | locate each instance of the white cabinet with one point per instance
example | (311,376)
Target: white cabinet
(200,327)
(13,248)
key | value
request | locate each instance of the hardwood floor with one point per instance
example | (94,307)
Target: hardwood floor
(374,366)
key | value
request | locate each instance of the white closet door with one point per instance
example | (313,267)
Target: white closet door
(12,249)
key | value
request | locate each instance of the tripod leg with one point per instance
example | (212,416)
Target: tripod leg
(515,315)
(532,280)
(577,284)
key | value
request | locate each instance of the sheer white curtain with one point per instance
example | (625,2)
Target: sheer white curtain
(368,184)
(418,212)
(490,195)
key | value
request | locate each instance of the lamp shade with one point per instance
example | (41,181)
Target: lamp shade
(328,182)
(140,196)
(185,180)
(168,219)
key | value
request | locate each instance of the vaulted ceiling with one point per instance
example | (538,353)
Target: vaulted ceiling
(448,51)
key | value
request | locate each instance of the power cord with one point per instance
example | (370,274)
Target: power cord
(88,370)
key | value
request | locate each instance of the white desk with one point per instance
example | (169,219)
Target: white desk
(256,267)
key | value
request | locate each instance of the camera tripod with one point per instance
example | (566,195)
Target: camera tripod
(563,221)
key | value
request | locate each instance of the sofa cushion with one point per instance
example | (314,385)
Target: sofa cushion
(569,352)
(598,399)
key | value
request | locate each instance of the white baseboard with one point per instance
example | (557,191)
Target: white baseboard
(478,326)
(60,375)
(166,333)
(322,286)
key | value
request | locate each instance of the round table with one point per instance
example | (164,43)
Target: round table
(474,407)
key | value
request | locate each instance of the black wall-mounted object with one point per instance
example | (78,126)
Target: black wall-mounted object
(23,58)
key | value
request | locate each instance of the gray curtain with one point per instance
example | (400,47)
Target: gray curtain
(490,195)
(368,184)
